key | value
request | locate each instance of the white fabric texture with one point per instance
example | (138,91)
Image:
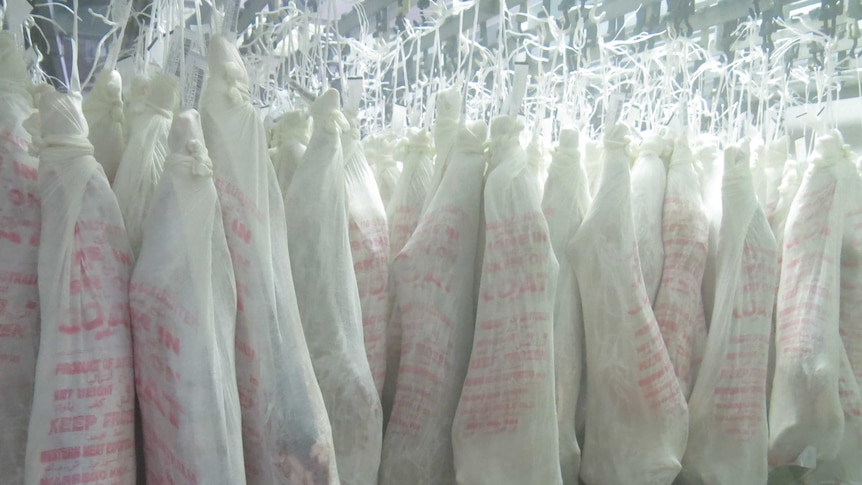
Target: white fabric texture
(649,179)
(685,237)
(637,418)
(710,175)
(791,180)
(446,125)
(286,431)
(434,290)
(728,435)
(329,299)
(290,138)
(144,158)
(134,103)
(82,425)
(593,163)
(565,203)
(182,298)
(19,246)
(379,151)
(413,187)
(369,246)
(103,110)
(805,414)
(847,467)
(505,427)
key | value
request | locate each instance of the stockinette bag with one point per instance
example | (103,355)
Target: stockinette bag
(413,186)
(82,423)
(806,420)
(505,427)
(19,247)
(648,179)
(728,435)
(285,427)
(685,237)
(290,138)
(637,418)
(434,290)
(183,305)
(103,110)
(565,202)
(328,296)
(369,246)
(143,160)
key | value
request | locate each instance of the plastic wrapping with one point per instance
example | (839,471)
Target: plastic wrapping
(103,110)
(369,246)
(183,306)
(728,435)
(806,420)
(82,425)
(505,427)
(329,299)
(143,160)
(19,246)
(648,179)
(685,237)
(434,288)
(565,202)
(286,432)
(637,418)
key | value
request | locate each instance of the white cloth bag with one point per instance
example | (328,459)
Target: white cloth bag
(103,110)
(285,428)
(329,299)
(183,305)
(19,246)
(806,420)
(565,203)
(404,209)
(434,291)
(728,435)
(685,238)
(82,423)
(290,139)
(637,418)
(505,427)
(144,158)
(649,179)
(369,246)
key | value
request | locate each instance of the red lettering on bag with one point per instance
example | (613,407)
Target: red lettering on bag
(168,339)
(25,171)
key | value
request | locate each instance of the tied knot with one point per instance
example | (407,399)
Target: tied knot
(830,148)
(617,138)
(201,163)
